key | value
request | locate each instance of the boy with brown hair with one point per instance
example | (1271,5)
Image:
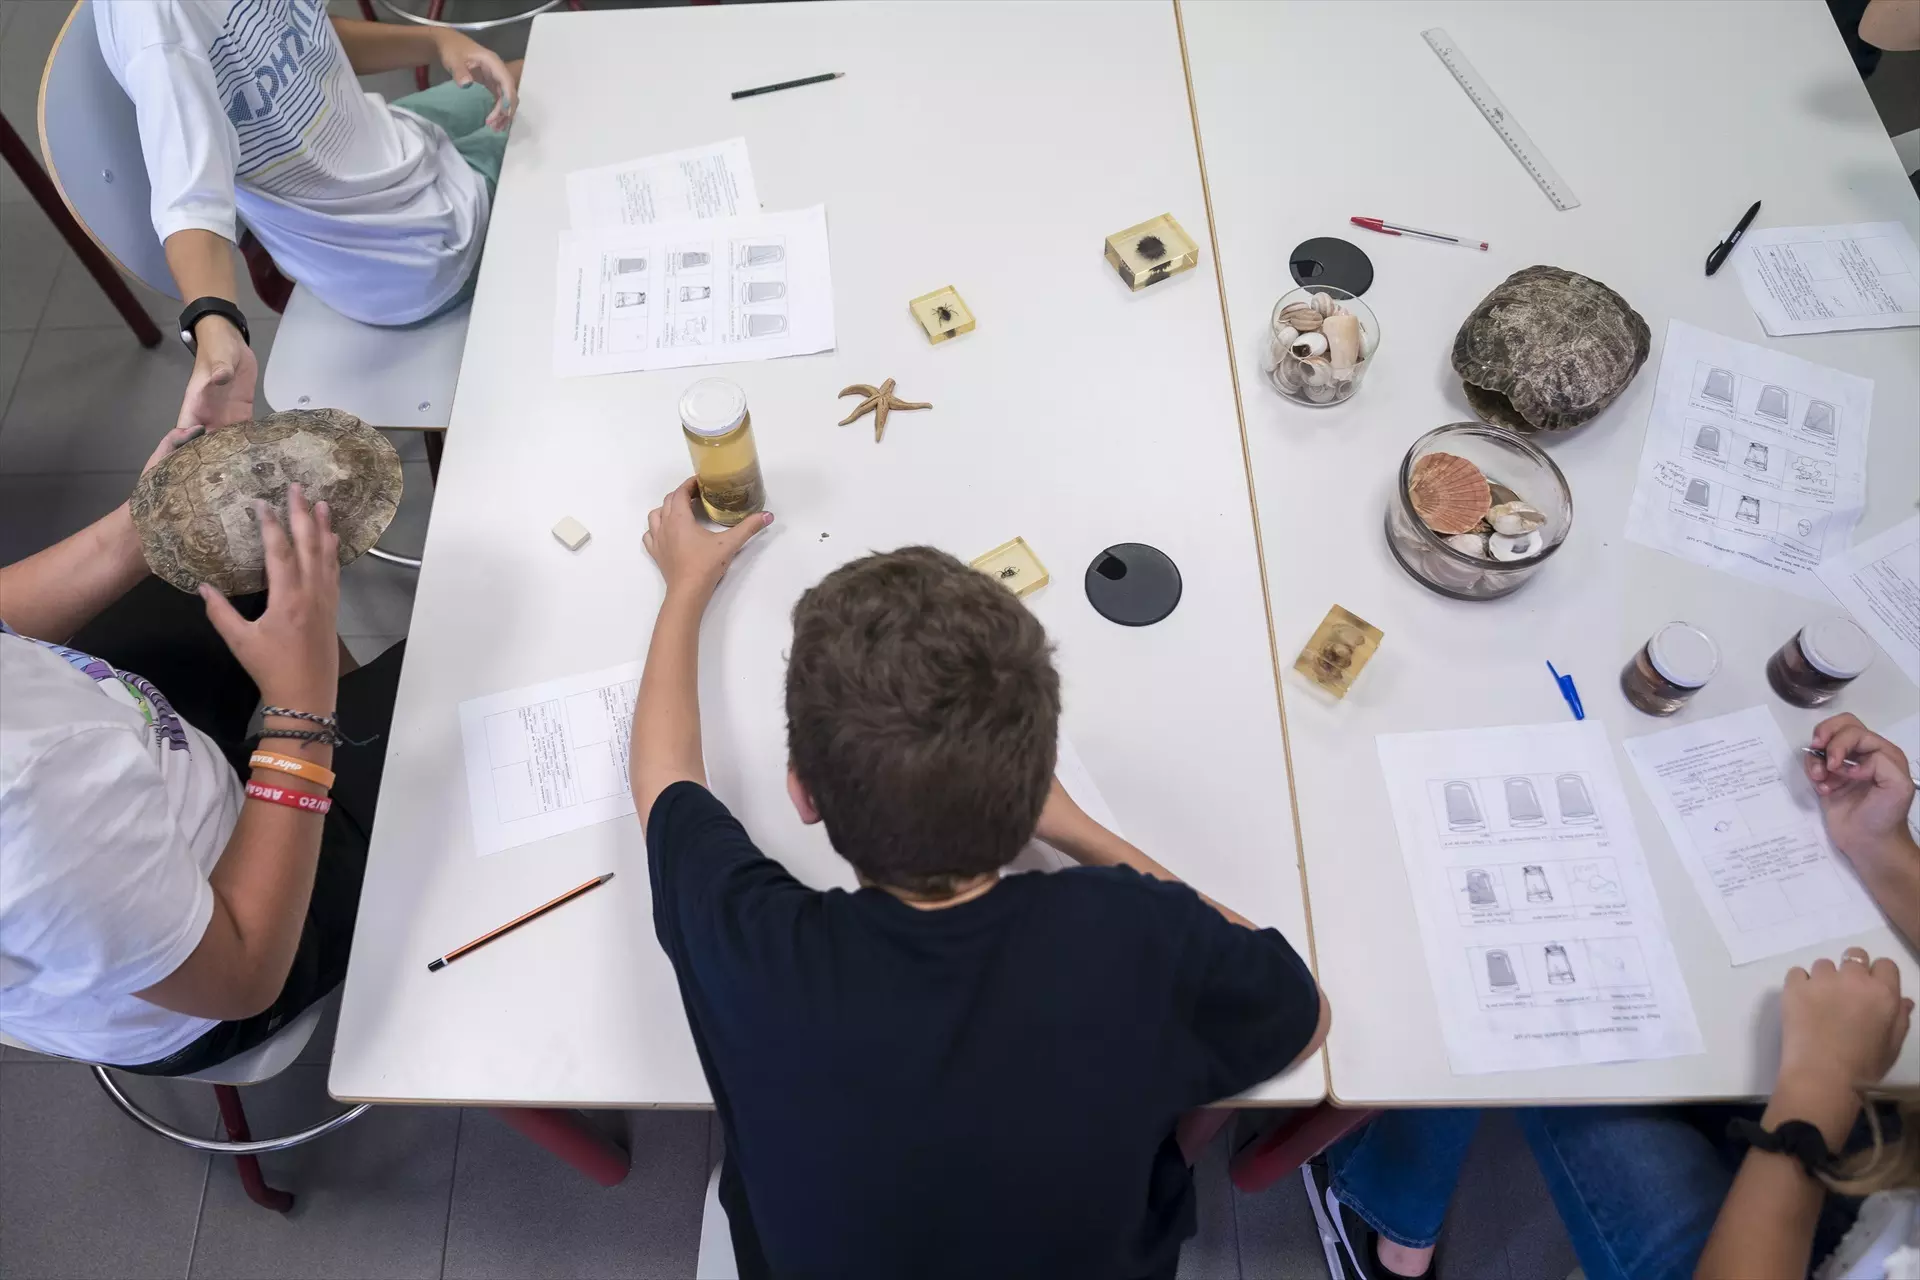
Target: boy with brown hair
(944,1073)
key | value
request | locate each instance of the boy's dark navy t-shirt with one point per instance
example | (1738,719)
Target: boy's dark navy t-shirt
(989,1089)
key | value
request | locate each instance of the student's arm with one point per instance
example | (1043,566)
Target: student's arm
(1841,1028)
(373,47)
(54,592)
(1866,806)
(1066,826)
(264,878)
(665,746)
(1891,24)
(225,372)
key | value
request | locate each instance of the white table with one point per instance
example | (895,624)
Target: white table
(993,147)
(1667,120)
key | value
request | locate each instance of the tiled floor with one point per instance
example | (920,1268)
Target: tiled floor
(406,1191)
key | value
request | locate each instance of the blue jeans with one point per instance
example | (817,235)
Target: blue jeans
(1637,1187)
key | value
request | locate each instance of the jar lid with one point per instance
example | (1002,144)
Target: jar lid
(712,407)
(1684,654)
(1836,647)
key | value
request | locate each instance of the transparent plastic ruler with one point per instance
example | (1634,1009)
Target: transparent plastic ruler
(1523,147)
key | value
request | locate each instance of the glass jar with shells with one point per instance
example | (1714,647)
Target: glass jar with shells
(1476,511)
(1322,344)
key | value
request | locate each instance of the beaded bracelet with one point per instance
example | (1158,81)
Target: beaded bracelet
(305,801)
(326,721)
(318,774)
(325,737)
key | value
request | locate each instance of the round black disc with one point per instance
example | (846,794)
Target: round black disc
(1325,260)
(1133,584)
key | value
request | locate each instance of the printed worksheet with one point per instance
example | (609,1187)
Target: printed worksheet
(1878,582)
(549,758)
(1544,939)
(1905,734)
(1073,775)
(681,186)
(1820,279)
(669,295)
(1746,823)
(1754,461)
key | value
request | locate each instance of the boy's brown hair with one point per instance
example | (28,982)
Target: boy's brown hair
(922,717)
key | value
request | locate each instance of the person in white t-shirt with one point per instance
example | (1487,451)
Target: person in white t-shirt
(155,913)
(250,111)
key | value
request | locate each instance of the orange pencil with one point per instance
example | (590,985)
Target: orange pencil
(433,966)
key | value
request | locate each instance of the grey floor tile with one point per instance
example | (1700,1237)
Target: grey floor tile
(30,251)
(518,1211)
(83,1190)
(37,511)
(1213,1252)
(13,354)
(1278,1238)
(91,400)
(1536,1240)
(376,598)
(366,648)
(77,301)
(716,1140)
(31,28)
(371,1199)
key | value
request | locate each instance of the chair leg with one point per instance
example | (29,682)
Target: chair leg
(1292,1144)
(366,11)
(234,1117)
(436,444)
(568,1135)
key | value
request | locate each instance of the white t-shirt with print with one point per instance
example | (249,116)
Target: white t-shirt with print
(113,812)
(251,105)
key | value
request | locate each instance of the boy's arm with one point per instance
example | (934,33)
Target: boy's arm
(373,47)
(665,746)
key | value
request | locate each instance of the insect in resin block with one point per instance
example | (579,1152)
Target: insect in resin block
(1015,566)
(1340,647)
(942,314)
(1152,251)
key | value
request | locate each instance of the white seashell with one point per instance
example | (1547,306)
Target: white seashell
(1301,316)
(1318,372)
(1285,374)
(1343,340)
(1501,493)
(1368,341)
(1322,394)
(1283,337)
(1310,344)
(1509,547)
(1471,544)
(1323,303)
(1515,518)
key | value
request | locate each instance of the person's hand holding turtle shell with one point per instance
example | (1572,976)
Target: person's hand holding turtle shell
(292,652)
(225,372)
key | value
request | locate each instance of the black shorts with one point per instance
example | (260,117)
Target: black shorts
(163,634)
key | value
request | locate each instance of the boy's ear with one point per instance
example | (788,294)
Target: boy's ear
(802,802)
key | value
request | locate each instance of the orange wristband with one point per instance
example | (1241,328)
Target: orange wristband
(318,774)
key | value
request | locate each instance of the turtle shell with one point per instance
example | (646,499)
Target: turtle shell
(194,513)
(1548,349)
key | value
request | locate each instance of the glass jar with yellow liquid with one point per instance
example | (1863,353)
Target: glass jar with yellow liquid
(719,432)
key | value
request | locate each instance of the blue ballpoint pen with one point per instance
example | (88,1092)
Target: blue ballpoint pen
(1567,691)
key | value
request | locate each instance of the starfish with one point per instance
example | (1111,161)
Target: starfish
(879,401)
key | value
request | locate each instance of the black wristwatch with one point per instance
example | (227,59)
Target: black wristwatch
(200,308)
(1794,1138)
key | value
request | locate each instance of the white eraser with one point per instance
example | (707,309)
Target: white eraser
(572,534)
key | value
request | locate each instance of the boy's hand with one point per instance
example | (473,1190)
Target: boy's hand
(691,556)
(1866,802)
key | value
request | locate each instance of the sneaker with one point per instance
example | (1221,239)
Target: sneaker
(1351,1245)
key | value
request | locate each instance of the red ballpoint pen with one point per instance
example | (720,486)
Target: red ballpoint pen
(1395,229)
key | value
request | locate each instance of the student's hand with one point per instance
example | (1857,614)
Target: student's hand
(691,556)
(1866,803)
(467,60)
(220,392)
(292,652)
(1841,1026)
(169,442)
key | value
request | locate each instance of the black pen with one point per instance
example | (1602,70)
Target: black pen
(788,84)
(1725,247)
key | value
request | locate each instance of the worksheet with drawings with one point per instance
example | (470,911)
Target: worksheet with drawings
(1543,936)
(549,757)
(1735,799)
(1754,461)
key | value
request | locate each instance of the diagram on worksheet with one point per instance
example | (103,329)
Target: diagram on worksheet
(1754,462)
(548,758)
(1544,940)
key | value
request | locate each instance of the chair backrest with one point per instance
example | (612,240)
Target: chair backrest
(90,138)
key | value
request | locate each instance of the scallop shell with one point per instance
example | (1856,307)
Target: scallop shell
(1548,349)
(1515,518)
(1301,316)
(1448,493)
(1510,547)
